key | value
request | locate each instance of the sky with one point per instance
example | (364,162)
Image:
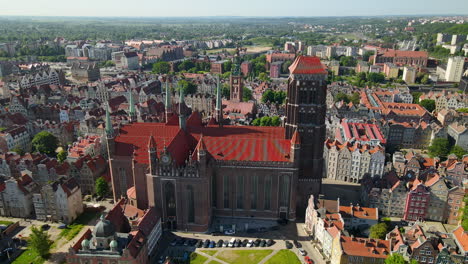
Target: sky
(193,8)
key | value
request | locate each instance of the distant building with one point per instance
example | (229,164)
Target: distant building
(217,67)
(275,69)
(456,39)
(402,57)
(454,70)
(390,70)
(417,202)
(86,71)
(458,133)
(130,61)
(246,68)
(362,66)
(334,66)
(443,38)
(409,75)
(362,133)
(16,196)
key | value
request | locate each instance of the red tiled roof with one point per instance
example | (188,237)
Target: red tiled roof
(227,143)
(359,212)
(372,248)
(131,193)
(462,237)
(307,65)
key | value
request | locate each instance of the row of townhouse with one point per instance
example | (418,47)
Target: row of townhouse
(57,201)
(426,197)
(351,161)
(426,246)
(446,99)
(51,77)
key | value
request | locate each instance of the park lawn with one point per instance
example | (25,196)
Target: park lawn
(29,256)
(197,258)
(7,223)
(243,256)
(209,252)
(214,262)
(284,256)
(73,229)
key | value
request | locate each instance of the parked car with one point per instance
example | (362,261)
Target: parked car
(262,243)
(297,244)
(186,242)
(226,243)
(237,243)
(180,241)
(288,244)
(308,260)
(62,226)
(245,242)
(193,242)
(220,243)
(270,242)
(229,232)
(206,244)
(45,227)
(302,251)
(174,242)
(257,242)
(251,243)
(231,242)
(199,244)
(212,244)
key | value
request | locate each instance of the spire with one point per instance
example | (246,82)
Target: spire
(201,144)
(168,96)
(182,118)
(132,103)
(109,128)
(218,94)
(152,144)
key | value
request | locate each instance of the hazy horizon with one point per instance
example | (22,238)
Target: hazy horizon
(239,8)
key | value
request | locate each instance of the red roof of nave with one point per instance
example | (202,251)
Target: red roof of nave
(307,65)
(240,143)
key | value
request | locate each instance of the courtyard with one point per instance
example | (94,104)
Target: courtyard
(247,256)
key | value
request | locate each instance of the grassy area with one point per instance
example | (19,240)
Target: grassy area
(243,256)
(214,262)
(7,223)
(29,256)
(284,256)
(197,259)
(73,229)
(209,252)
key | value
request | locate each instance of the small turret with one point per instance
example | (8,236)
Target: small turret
(168,101)
(182,117)
(295,147)
(219,104)
(153,156)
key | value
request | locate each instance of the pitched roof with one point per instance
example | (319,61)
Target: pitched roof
(307,65)
(359,212)
(462,237)
(365,247)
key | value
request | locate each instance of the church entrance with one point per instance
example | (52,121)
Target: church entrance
(170,207)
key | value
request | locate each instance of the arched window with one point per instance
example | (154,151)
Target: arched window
(190,204)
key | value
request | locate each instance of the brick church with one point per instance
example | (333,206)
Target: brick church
(191,172)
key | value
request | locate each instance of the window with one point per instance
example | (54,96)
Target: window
(267,188)
(284,190)
(190,204)
(240,192)
(253,192)
(226,191)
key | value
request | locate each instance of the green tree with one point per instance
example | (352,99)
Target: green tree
(348,61)
(18,150)
(285,66)
(458,151)
(39,241)
(376,77)
(246,94)
(161,67)
(275,121)
(279,97)
(268,96)
(379,230)
(428,104)
(416,96)
(225,91)
(263,77)
(439,148)
(45,142)
(101,187)
(186,65)
(396,258)
(366,55)
(62,156)
(462,110)
(341,97)
(355,98)
(227,65)
(188,87)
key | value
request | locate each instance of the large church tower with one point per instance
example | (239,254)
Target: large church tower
(305,113)
(236,79)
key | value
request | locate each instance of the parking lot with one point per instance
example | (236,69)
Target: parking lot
(181,244)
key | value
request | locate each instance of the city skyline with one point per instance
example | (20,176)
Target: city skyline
(242,8)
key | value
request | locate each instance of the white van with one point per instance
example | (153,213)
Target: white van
(231,242)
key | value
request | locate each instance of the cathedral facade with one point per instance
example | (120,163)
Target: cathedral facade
(191,172)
